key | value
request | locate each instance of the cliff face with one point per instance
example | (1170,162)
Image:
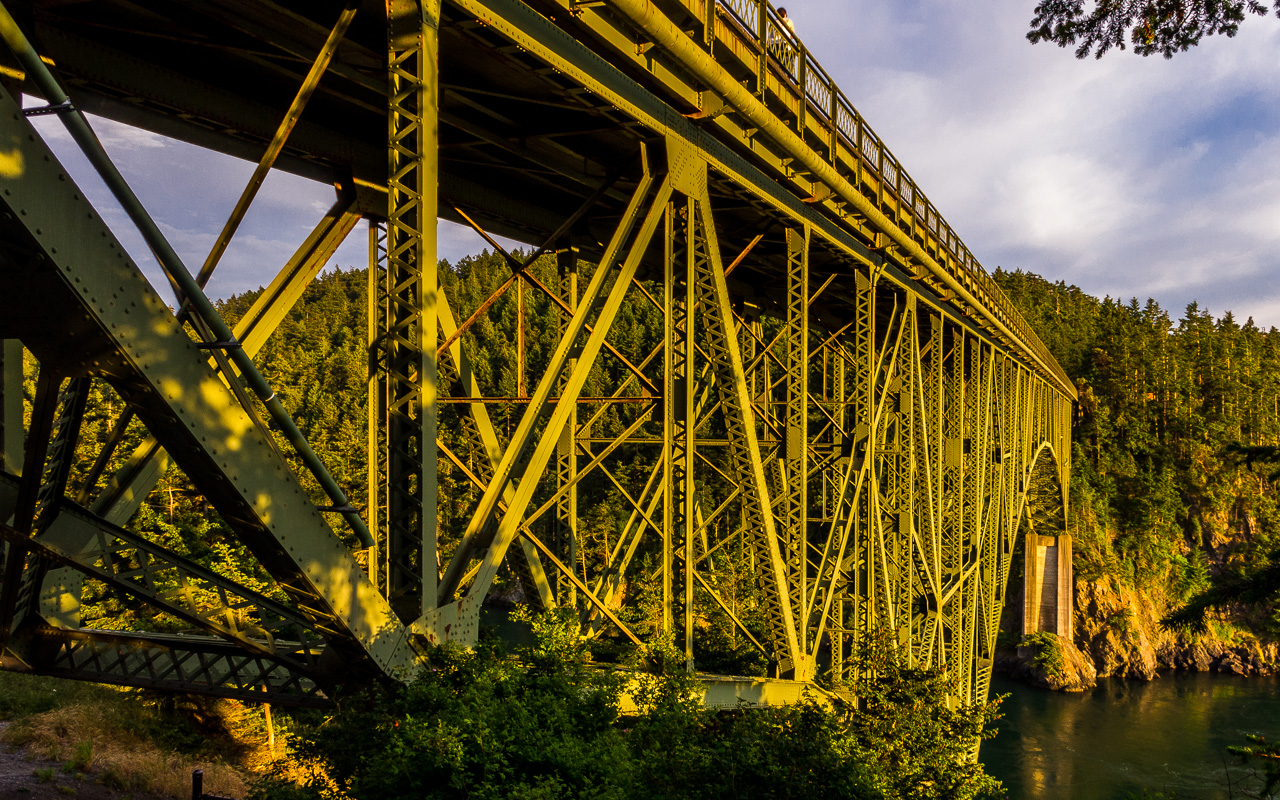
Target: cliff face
(1118,633)
(1119,629)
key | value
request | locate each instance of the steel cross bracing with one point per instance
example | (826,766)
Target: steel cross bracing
(835,428)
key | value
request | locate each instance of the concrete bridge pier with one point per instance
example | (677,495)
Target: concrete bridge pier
(1047,595)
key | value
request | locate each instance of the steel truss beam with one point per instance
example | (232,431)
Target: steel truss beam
(106,321)
(839,413)
(129,487)
(859,452)
(406,318)
(170,663)
(168,582)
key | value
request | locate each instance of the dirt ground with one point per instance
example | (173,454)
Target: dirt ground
(25,778)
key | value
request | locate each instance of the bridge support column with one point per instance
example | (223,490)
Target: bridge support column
(566,519)
(680,417)
(795,446)
(1048,589)
(409,320)
(11,428)
(11,432)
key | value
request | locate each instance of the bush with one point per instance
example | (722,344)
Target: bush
(1048,652)
(548,724)
(920,747)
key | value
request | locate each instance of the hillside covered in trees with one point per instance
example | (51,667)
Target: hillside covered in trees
(1162,509)
(1162,506)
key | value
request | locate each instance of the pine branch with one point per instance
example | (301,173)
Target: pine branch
(1150,26)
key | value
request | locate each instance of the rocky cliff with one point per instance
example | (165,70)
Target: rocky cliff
(1119,629)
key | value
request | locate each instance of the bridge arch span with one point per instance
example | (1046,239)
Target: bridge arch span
(1042,521)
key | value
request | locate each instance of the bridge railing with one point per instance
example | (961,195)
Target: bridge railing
(823,99)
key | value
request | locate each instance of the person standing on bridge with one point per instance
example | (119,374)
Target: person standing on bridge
(787,23)
(785,51)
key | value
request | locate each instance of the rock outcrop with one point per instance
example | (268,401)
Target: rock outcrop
(1120,631)
(1118,635)
(1049,662)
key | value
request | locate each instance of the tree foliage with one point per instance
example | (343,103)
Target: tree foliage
(547,723)
(1164,497)
(1263,758)
(1150,26)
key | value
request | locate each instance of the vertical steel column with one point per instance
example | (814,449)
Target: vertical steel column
(831,513)
(923,490)
(522,363)
(412,280)
(933,461)
(899,467)
(860,449)
(566,519)
(679,415)
(953,529)
(12,432)
(11,429)
(378,316)
(795,505)
(975,467)
(673,410)
(683,454)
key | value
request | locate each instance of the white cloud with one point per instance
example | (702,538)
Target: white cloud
(1129,176)
(1057,200)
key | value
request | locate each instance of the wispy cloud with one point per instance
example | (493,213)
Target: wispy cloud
(1129,176)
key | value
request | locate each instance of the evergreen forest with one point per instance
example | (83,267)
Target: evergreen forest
(1165,499)
(1168,501)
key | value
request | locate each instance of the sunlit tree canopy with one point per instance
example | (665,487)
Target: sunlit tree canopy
(1164,26)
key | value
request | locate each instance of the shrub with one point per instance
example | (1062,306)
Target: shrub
(1048,653)
(546,723)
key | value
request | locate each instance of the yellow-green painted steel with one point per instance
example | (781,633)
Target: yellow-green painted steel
(841,406)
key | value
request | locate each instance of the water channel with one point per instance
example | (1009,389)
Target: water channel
(1169,735)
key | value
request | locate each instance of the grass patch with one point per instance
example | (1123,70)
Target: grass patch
(81,758)
(24,695)
(119,751)
(134,740)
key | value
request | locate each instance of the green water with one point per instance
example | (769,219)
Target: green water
(1169,735)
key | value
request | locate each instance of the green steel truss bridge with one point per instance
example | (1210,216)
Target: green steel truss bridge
(840,393)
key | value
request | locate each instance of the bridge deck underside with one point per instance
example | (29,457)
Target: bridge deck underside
(814,405)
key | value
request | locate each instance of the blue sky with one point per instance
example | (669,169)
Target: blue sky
(1127,176)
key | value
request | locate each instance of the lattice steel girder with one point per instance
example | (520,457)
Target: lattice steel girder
(79,303)
(169,662)
(408,322)
(129,487)
(566,518)
(908,530)
(678,448)
(167,581)
(795,516)
(688,68)
(906,502)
